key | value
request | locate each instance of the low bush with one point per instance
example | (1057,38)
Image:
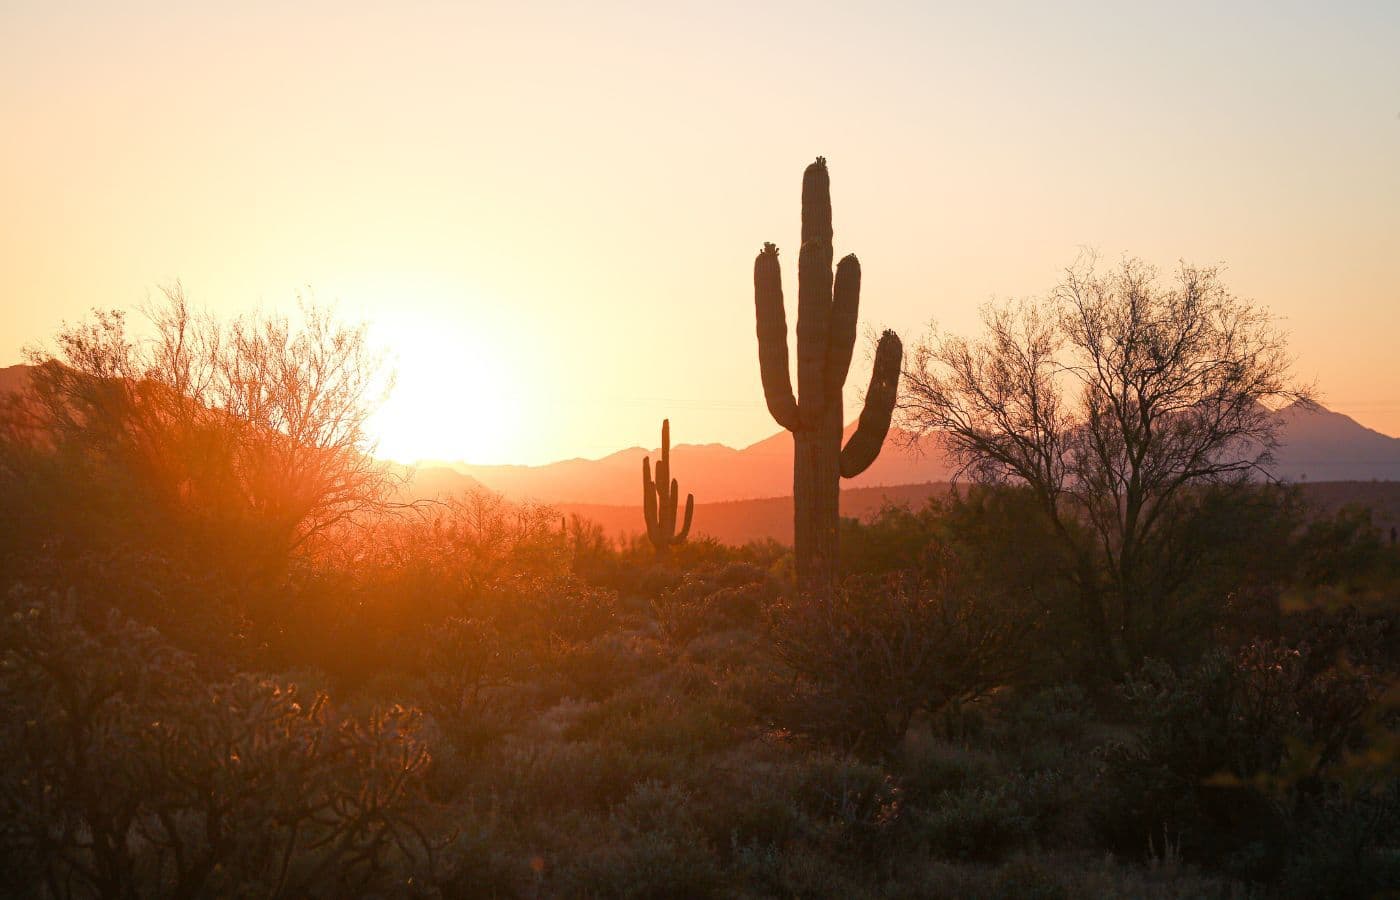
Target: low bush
(127,774)
(1236,757)
(869,657)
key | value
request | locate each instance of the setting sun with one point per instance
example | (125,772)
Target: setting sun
(455,396)
(627,449)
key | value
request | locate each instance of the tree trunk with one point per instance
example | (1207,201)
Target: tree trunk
(816,487)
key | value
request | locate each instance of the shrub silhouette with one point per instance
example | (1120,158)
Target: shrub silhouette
(125,770)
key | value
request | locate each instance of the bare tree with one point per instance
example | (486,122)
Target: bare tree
(1109,399)
(251,431)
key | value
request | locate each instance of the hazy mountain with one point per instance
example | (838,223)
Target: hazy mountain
(1317,445)
(1321,445)
(713,472)
(429,482)
(740,521)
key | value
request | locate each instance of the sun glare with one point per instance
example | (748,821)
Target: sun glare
(453,399)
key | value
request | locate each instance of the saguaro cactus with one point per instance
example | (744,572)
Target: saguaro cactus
(659,499)
(826,335)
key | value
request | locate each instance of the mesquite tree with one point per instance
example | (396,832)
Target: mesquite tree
(826,336)
(660,499)
(1113,400)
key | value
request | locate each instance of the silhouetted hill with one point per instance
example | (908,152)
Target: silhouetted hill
(434,483)
(739,521)
(14,378)
(713,472)
(1318,445)
(1321,445)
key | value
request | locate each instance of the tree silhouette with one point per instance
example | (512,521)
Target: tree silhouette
(247,437)
(1110,399)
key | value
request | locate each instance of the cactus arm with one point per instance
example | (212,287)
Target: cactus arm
(816,202)
(689,513)
(772,338)
(860,451)
(663,478)
(672,500)
(649,502)
(814,294)
(845,309)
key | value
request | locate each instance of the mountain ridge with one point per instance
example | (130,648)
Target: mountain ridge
(1317,444)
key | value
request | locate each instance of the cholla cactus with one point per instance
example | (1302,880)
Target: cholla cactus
(660,499)
(826,335)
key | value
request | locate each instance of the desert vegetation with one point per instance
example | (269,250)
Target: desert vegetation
(467,699)
(661,497)
(238,657)
(827,313)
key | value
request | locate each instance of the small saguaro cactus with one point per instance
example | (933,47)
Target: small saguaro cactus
(826,335)
(660,499)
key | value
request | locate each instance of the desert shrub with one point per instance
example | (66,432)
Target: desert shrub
(1060,714)
(526,777)
(1234,755)
(600,667)
(657,850)
(795,870)
(895,539)
(980,823)
(482,861)
(557,608)
(1026,878)
(127,774)
(1053,876)
(238,445)
(870,656)
(857,802)
(1341,549)
(469,668)
(1050,729)
(639,865)
(713,599)
(663,722)
(1346,845)
(929,768)
(764,797)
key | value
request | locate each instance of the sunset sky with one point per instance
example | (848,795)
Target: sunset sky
(549,213)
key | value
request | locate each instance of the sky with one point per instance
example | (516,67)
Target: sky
(548,213)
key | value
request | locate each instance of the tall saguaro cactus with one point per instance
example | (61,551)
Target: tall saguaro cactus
(826,334)
(659,499)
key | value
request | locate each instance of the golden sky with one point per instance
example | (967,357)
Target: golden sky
(549,213)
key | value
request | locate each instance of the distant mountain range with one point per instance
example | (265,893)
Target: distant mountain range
(1317,445)
(713,472)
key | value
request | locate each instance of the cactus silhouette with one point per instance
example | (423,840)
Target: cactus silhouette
(826,334)
(660,499)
